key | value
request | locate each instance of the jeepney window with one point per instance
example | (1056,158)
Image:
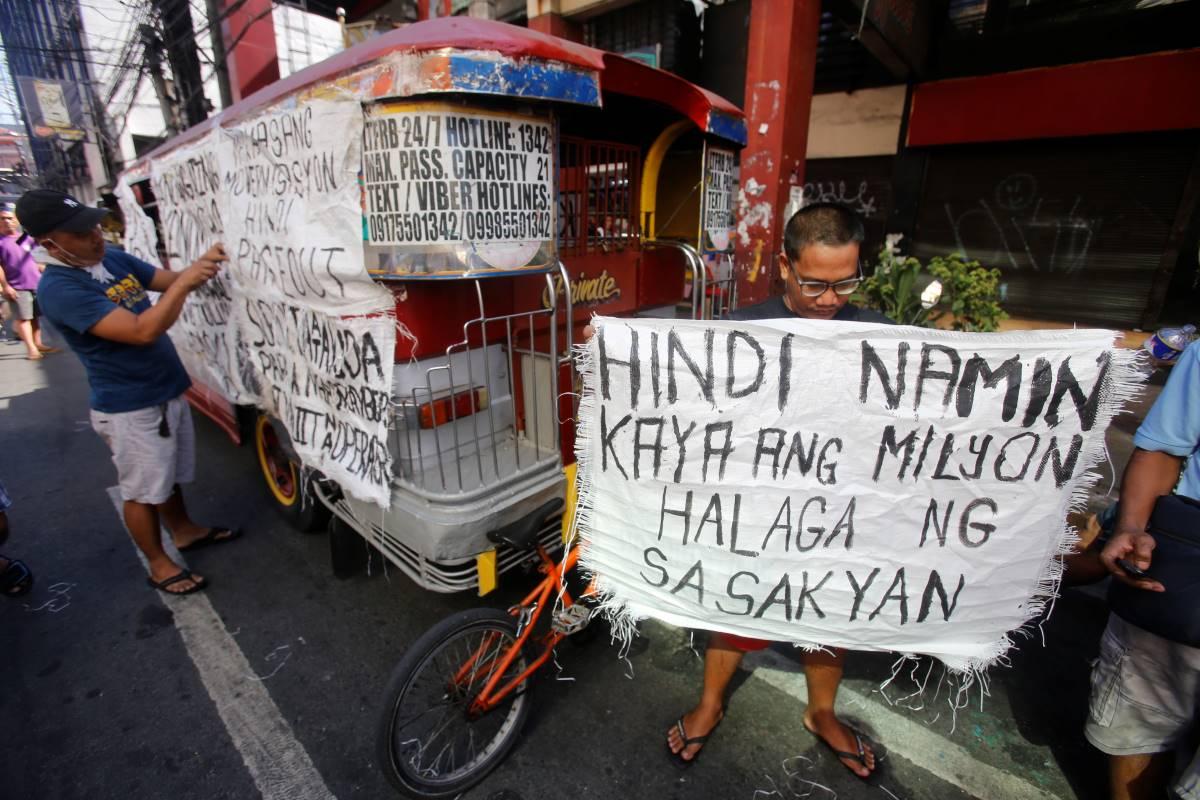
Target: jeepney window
(598,200)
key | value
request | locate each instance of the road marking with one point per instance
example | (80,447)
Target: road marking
(277,762)
(910,740)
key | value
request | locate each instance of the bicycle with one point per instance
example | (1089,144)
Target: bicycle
(458,698)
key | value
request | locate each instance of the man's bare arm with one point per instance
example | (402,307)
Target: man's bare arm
(1149,476)
(122,325)
(163,279)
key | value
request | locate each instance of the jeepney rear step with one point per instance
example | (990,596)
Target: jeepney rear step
(451,576)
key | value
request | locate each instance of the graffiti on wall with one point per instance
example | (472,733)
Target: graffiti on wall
(1025,229)
(861,202)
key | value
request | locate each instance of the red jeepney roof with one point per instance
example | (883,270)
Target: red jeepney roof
(617,74)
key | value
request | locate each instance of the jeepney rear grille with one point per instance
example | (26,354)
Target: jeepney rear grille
(460,575)
(516,432)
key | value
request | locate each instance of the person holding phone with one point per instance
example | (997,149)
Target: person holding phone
(1145,699)
(97,297)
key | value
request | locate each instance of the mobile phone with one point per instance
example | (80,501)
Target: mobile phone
(1130,569)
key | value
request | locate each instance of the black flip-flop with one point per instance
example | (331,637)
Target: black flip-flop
(677,758)
(16,579)
(214,536)
(860,756)
(200,583)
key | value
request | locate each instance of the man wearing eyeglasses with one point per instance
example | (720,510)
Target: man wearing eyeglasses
(819,267)
(820,270)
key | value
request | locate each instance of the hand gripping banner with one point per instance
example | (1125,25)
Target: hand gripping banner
(839,484)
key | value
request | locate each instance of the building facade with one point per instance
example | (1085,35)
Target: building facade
(53,77)
(1056,140)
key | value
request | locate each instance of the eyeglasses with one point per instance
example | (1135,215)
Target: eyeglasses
(817,288)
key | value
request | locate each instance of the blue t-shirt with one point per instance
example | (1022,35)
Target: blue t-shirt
(1173,424)
(123,377)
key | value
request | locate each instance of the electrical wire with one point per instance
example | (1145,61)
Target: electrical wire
(125,66)
(229,48)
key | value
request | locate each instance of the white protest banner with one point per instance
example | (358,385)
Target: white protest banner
(319,334)
(839,484)
(329,381)
(187,187)
(140,238)
(483,182)
(717,220)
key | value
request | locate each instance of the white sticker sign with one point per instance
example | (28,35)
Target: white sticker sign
(443,176)
(839,484)
(718,198)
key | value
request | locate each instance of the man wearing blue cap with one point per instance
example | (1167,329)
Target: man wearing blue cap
(97,298)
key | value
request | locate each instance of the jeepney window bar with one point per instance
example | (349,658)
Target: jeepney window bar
(599,184)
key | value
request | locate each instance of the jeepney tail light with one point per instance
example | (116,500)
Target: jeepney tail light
(446,409)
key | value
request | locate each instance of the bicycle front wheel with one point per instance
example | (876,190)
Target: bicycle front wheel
(430,740)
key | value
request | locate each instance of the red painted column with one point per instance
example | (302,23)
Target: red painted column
(780,69)
(249,35)
(556,25)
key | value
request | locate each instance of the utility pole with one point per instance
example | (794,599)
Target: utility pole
(110,152)
(219,55)
(180,37)
(154,65)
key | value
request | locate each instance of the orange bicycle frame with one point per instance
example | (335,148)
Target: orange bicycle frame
(490,697)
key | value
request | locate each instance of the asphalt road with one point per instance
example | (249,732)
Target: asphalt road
(271,685)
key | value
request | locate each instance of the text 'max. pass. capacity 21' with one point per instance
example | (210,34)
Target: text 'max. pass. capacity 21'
(450,191)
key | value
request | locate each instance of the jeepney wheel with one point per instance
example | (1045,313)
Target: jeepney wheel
(290,489)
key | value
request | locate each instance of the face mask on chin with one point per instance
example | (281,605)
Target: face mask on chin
(97,271)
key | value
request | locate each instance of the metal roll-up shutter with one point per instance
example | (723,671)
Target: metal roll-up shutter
(862,184)
(1078,227)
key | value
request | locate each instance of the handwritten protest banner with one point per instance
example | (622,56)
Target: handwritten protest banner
(839,484)
(187,186)
(319,339)
(436,175)
(140,238)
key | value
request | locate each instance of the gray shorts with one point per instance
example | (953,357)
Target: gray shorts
(1145,697)
(25,305)
(148,463)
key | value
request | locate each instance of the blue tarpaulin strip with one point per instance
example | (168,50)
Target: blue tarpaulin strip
(524,79)
(727,127)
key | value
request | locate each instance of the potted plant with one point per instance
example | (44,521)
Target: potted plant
(947,292)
